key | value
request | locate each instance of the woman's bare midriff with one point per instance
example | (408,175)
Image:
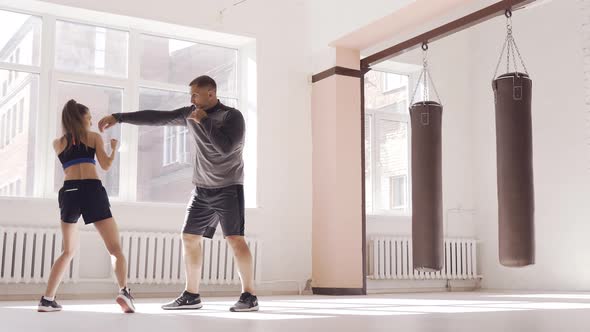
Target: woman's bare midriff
(82,171)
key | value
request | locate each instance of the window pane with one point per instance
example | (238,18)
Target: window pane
(393,82)
(368,162)
(20,38)
(179,62)
(90,49)
(13,124)
(386,90)
(21,116)
(17,147)
(398,192)
(393,159)
(231,102)
(165,157)
(101,101)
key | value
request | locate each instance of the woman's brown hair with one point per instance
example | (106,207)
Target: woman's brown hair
(72,122)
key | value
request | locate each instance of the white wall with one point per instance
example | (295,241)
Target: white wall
(283,221)
(549,36)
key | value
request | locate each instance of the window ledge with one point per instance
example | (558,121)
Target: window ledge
(389,217)
(114,202)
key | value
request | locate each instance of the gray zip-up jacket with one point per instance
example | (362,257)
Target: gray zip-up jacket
(219,138)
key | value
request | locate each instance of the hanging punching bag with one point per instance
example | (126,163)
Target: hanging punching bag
(514,146)
(427,210)
(514,153)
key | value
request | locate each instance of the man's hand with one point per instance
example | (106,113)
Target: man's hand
(106,122)
(197,115)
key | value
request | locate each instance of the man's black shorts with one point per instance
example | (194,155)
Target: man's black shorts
(209,207)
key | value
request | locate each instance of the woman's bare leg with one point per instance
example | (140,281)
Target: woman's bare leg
(71,239)
(109,232)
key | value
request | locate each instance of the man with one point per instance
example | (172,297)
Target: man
(218,176)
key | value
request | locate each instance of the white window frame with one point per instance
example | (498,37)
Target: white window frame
(49,76)
(376,116)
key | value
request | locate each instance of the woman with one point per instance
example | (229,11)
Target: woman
(83,195)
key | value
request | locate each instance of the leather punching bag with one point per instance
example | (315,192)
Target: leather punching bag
(514,146)
(427,208)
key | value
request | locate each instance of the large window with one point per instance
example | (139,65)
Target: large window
(387,167)
(108,69)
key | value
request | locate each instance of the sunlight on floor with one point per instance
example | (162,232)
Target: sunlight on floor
(322,307)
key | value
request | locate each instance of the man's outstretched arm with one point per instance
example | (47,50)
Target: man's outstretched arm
(176,117)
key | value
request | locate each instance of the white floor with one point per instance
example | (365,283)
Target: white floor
(473,312)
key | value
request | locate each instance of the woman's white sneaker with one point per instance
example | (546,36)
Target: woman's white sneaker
(125,300)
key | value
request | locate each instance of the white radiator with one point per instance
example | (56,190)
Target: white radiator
(27,254)
(390,258)
(156,258)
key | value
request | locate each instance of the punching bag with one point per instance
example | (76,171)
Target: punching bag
(514,146)
(514,158)
(427,209)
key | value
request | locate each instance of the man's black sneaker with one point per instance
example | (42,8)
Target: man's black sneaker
(185,301)
(125,300)
(48,306)
(246,303)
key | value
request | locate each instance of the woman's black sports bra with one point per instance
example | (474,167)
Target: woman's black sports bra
(77,154)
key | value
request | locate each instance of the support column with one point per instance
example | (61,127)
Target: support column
(338,239)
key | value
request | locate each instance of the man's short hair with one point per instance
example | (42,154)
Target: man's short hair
(204,82)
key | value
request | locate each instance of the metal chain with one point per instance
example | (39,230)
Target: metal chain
(500,59)
(520,57)
(508,54)
(512,43)
(416,88)
(509,47)
(424,78)
(425,68)
(509,36)
(434,88)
